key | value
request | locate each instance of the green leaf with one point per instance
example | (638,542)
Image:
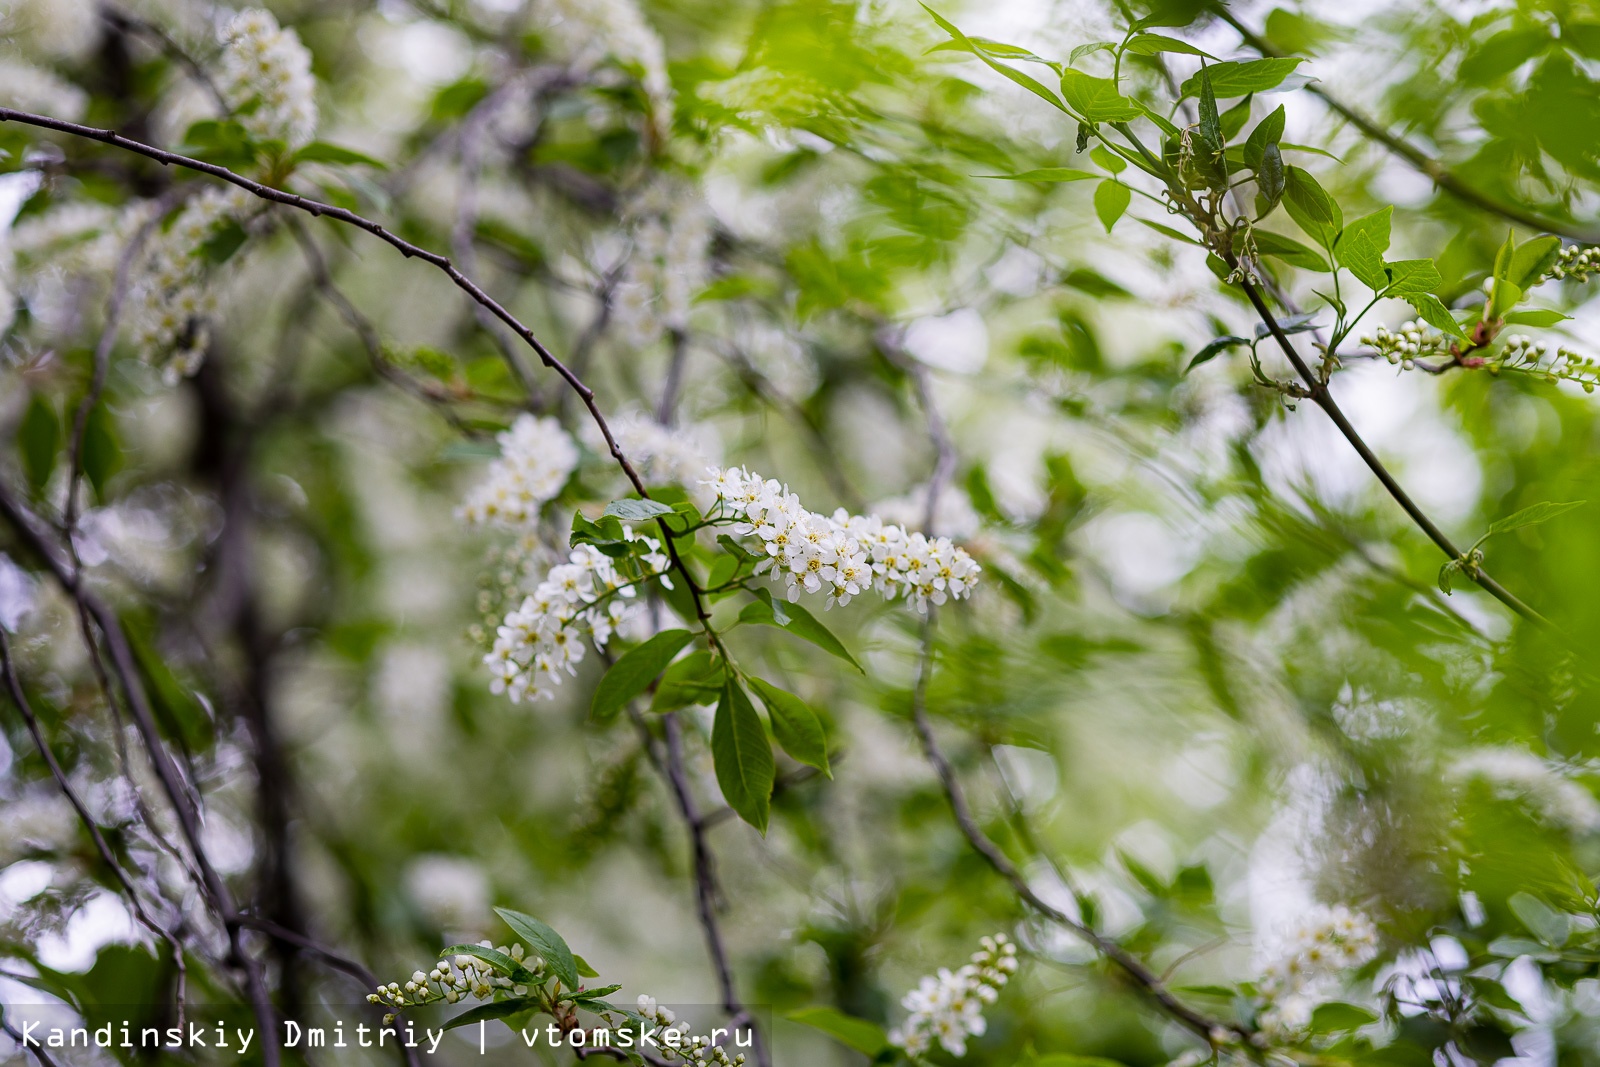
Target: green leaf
(859,1034)
(1112,162)
(546,942)
(1235,117)
(1213,350)
(1535,317)
(1066,1059)
(1432,311)
(1447,574)
(1096,99)
(1111,199)
(323,152)
(584,970)
(38,439)
(633,673)
(502,963)
(1289,250)
(795,725)
(798,621)
(695,679)
(1017,76)
(1361,246)
(1270,181)
(1334,1017)
(1269,131)
(102,455)
(606,535)
(1533,516)
(499,1009)
(1229,80)
(1211,139)
(1531,260)
(1044,174)
(1311,208)
(221,141)
(742,756)
(1547,924)
(1411,277)
(1167,231)
(637,510)
(594,994)
(1149,44)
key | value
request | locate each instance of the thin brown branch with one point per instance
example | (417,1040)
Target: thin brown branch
(125,666)
(1321,396)
(1212,1031)
(1436,171)
(19,697)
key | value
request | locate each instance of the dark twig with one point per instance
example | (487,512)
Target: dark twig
(1210,1030)
(19,697)
(1436,171)
(126,668)
(1317,391)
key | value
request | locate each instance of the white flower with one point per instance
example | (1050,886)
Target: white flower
(841,555)
(1515,773)
(29,88)
(582,601)
(59,29)
(536,458)
(947,1007)
(590,31)
(267,66)
(171,296)
(1307,958)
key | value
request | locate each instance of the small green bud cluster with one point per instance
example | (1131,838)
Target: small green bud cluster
(1404,345)
(1522,353)
(456,978)
(1576,262)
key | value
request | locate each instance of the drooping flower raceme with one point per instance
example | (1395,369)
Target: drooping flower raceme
(842,555)
(171,296)
(537,457)
(1517,774)
(947,1007)
(266,78)
(1307,959)
(584,600)
(457,978)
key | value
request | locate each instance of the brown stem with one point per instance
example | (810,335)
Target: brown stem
(1320,395)
(20,698)
(1210,1030)
(1432,168)
(126,668)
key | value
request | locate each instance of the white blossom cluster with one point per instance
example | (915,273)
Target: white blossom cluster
(591,31)
(663,455)
(27,87)
(668,265)
(536,458)
(947,1007)
(1307,959)
(171,295)
(585,598)
(665,1018)
(59,29)
(1577,262)
(843,555)
(1413,339)
(456,978)
(1525,354)
(266,77)
(1517,774)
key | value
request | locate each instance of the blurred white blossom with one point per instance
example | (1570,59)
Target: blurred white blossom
(536,458)
(947,1007)
(266,78)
